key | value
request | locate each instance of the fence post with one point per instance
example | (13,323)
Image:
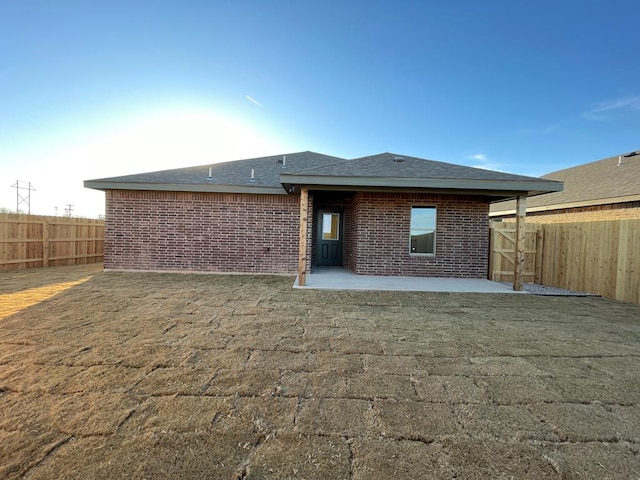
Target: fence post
(491,254)
(45,243)
(518,267)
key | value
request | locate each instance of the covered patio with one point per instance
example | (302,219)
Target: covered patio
(387,216)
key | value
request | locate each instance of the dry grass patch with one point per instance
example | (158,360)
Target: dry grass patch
(383,459)
(496,459)
(380,385)
(436,388)
(323,384)
(329,416)
(415,420)
(297,456)
(92,414)
(512,423)
(139,375)
(244,382)
(596,461)
(584,423)
(150,455)
(20,450)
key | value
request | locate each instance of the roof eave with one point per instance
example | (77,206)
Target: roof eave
(173,187)
(503,187)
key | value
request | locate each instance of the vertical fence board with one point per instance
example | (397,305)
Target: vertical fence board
(539,246)
(628,262)
(45,243)
(3,246)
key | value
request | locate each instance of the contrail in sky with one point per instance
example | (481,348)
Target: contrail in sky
(254,101)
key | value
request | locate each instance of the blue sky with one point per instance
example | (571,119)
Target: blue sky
(95,89)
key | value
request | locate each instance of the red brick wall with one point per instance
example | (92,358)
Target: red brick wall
(380,235)
(201,231)
(352,232)
(218,232)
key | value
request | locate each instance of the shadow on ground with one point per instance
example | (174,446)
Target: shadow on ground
(142,375)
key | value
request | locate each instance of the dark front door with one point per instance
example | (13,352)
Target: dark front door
(330,237)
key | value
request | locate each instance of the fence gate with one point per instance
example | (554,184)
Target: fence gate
(502,252)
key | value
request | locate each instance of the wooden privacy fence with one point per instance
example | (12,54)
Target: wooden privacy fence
(596,257)
(28,241)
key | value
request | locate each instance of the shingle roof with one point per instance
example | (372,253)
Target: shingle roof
(389,170)
(385,170)
(391,165)
(610,180)
(225,175)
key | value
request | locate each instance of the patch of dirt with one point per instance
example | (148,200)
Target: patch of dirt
(147,375)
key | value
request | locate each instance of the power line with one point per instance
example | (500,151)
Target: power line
(23,198)
(68,210)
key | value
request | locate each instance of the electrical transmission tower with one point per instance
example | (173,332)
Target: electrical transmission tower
(68,210)
(23,198)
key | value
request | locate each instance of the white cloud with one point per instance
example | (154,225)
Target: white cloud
(483,161)
(602,110)
(254,101)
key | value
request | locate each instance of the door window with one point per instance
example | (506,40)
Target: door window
(331,226)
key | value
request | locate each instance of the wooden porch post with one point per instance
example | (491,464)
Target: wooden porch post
(518,268)
(302,254)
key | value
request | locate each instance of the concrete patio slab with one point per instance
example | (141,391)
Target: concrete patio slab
(338,278)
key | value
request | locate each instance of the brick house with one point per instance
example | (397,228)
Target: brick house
(607,189)
(379,215)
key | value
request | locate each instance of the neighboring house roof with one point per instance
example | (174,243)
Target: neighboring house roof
(386,170)
(608,181)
